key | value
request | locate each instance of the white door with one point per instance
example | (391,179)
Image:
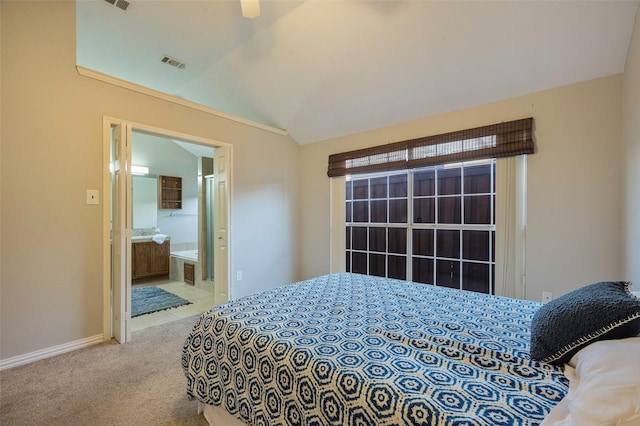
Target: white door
(120,228)
(117,140)
(222,174)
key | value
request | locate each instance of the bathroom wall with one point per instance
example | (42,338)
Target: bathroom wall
(165,157)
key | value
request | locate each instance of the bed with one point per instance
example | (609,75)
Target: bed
(349,349)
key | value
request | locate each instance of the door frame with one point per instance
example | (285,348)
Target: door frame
(129,127)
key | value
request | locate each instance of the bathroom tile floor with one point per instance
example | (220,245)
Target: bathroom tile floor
(201,300)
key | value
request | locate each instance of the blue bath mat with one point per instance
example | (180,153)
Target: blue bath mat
(146,300)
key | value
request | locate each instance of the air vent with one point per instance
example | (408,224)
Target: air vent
(120,4)
(173,62)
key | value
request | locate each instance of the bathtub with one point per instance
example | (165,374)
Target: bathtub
(191,255)
(183,266)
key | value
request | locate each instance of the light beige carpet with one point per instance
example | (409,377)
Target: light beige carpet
(138,383)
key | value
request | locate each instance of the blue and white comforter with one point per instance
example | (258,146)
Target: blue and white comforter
(348,349)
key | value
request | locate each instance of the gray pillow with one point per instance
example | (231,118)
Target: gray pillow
(601,311)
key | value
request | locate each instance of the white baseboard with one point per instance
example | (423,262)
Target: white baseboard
(49,352)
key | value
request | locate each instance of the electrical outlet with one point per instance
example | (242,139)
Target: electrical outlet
(239,276)
(546,296)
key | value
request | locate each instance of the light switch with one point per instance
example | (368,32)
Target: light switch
(93,196)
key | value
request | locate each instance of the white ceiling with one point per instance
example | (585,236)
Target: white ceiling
(320,69)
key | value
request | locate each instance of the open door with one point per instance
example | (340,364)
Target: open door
(118,220)
(120,231)
(221,172)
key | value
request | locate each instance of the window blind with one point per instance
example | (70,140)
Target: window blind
(499,140)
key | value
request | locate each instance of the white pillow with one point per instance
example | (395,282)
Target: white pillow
(604,386)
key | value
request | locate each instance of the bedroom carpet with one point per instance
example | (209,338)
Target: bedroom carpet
(138,383)
(147,300)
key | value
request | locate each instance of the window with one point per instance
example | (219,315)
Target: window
(444,232)
(434,225)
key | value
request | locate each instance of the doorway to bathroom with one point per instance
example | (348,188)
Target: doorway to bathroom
(169,218)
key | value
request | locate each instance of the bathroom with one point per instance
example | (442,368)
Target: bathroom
(179,223)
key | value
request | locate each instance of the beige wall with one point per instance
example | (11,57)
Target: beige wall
(631,135)
(51,152)
(573,232)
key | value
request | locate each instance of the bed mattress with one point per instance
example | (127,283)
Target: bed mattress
(349,349)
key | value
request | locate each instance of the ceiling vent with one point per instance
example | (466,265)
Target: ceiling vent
(173,62)
(120,4)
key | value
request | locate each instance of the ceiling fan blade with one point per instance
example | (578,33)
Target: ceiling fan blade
(250,8)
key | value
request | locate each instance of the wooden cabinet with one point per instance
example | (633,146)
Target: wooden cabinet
(150,259)
(189,273)
(170,192)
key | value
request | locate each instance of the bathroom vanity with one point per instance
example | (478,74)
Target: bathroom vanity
(149,259)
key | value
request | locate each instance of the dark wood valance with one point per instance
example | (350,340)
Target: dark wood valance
(494,141)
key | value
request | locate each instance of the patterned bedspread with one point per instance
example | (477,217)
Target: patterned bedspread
(348,349)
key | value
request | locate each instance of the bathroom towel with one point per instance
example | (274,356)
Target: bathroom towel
(159,238)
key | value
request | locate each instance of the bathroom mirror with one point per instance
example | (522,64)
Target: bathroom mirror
(145,202)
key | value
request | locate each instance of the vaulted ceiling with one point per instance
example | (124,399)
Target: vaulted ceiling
(320,69)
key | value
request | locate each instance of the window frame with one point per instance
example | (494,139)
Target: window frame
(410,257)
(510,239)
